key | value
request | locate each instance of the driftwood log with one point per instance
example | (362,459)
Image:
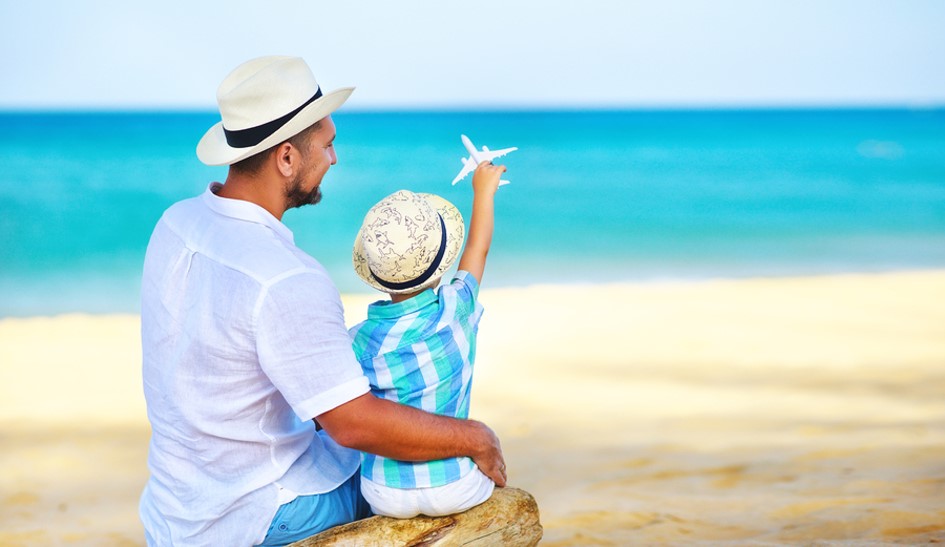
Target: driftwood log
(509,517)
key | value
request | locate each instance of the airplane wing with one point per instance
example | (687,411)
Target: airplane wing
(469,165)
(478,156)
(489,155)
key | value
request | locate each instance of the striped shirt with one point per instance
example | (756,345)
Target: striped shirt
(420,352)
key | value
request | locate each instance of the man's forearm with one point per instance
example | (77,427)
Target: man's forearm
(405,433)
(400,432)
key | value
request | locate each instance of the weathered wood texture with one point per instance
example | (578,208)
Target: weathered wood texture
(509,517)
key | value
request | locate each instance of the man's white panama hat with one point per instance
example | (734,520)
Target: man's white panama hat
(408,241)
(264,102)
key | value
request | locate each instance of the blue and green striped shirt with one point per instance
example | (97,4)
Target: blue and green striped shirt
(420,352)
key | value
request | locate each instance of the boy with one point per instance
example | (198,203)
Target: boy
(418,349)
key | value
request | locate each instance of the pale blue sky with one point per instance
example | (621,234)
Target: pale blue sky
(411,53)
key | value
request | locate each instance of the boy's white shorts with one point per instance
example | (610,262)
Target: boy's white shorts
(455,497)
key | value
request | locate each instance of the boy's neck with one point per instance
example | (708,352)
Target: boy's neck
(398,298)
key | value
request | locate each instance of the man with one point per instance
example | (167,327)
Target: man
(244,343)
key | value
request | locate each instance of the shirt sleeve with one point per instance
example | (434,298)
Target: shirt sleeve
(304,347)
(465,289)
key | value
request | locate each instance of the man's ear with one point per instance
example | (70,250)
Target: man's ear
(287,159)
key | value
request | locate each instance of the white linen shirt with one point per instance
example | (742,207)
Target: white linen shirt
(243,342)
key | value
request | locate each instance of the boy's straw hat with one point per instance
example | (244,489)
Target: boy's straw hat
(264,102)
(407,242)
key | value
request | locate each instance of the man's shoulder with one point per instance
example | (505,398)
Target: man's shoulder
(249,248)
(271,260)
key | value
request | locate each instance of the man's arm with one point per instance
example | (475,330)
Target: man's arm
(405,433)
(485,182)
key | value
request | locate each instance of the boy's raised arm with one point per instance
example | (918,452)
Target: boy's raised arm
(485,182)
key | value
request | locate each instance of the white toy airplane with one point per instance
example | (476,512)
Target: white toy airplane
(478,156)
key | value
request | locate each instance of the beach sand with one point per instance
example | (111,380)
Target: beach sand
(744,412)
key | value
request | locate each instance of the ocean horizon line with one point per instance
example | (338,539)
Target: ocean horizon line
(12,110)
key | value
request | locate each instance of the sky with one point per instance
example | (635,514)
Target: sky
(172,54)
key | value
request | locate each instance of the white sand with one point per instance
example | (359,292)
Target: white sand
(768,411)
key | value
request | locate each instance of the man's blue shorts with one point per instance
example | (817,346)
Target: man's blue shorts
(308,515)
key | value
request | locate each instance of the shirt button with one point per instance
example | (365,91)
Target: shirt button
(283,527)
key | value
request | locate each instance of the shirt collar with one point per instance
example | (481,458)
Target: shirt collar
(385,309)
(245,210)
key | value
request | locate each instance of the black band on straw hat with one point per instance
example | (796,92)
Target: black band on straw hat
(251,136)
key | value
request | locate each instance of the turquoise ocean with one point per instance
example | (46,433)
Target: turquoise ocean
(596,196)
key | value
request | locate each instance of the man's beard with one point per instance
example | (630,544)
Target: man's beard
(296,197)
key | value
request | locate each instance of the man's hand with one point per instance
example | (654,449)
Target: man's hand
(489,459)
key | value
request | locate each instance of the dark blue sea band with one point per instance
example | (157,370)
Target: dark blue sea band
(251,136)
(422,278)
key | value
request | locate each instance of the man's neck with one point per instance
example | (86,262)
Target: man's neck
(254,189)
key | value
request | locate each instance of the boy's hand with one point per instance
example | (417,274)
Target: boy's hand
(486,178)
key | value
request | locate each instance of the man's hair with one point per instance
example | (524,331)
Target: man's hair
(254,163)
